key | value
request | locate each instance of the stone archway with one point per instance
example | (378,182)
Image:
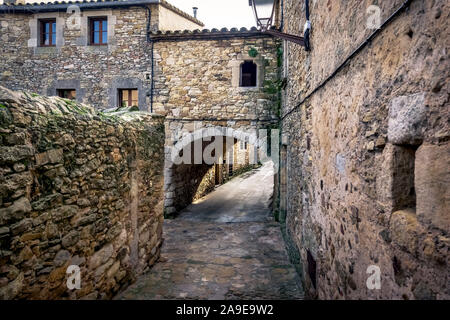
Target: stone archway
(190,174)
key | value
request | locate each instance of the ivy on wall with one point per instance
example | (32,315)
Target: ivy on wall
(253,52)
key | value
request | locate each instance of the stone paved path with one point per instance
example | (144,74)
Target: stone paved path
(229,255)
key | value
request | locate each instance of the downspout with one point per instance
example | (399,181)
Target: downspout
(152,83)
(307,28)
(282,15)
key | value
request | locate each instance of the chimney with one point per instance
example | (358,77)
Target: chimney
(195,9)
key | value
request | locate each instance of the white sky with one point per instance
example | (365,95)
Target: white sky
(219,13)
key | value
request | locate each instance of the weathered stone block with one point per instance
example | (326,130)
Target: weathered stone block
(395,179)
(101,270)
(61,258)
(16,138)
(51,156)
(47,202)
(432,181)
(4,231)
(15,181)
(63,212)
(406,118)
(101,256)
(58,274)
(113,270)
(22,226)
(83,202)
(11,290)
(70,239)
(15,154)
(16,211)
(405,229)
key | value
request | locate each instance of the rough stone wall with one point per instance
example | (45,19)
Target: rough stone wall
(95,71)
(207,183)
(191,182)
(241,157)
(194,79)
(197,86)
(368,154)
(76,188)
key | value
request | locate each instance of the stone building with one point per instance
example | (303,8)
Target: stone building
(364,153)
(365,157)
(201,87)
(111,54)
(95,52)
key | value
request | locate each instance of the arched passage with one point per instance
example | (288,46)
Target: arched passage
(205,158)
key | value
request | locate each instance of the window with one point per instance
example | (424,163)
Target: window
(98,30)
(48,32)
(67,93)
(128,97)
(243,145)
(248,74)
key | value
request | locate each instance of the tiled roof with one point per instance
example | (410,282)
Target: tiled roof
(207,34)
(55,3)
(85,4)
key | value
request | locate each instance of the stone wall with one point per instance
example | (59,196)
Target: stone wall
(198,79)
(241,155)
(191,182)
(76,188)
(367,155)
(197,87)
(95,72)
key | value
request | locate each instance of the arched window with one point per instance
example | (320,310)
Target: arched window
(248,74)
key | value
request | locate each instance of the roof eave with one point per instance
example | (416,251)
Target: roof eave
(205,34)
(52,7)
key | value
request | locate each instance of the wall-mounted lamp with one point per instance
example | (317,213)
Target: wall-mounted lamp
(264,11)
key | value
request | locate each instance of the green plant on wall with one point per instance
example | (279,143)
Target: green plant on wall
(279,56)
(276,86)
(253,52)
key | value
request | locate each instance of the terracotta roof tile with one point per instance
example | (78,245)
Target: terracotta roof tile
(59,5)
(207,34)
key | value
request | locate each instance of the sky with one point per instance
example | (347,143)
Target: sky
(219,13)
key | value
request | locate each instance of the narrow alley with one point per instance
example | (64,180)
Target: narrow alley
(225,246)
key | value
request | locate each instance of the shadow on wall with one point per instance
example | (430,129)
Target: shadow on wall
(191,180)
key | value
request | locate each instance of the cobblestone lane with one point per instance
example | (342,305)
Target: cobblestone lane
(216,260)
